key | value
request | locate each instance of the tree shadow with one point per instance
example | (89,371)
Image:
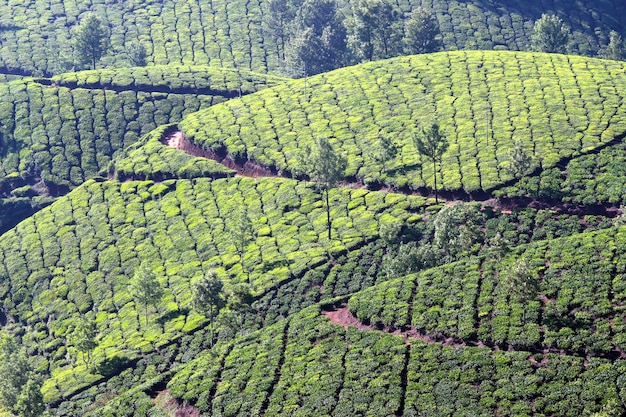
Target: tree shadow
(113,366)
(10,28)
(171,315)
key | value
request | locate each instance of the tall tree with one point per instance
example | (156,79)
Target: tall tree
(325,166)
(137,54)
(384,151)
(277,18)
(20,390)
(241,232)
(91,40)
(550,35)
(522,282)
(519,160)
(14,371)
(375,30)
(30,401)
(317,41)
(432,144)
(84,337)
(208,296)
(422,32)
(615,48)
(145,288)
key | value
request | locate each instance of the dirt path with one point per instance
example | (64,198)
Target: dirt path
(341,315)
(248,168)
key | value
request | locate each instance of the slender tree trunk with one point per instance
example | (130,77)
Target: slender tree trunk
(435,178)
(328,213)
(212,322)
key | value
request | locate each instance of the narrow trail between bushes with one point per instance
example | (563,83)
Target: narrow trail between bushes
(248,168)
(342,316)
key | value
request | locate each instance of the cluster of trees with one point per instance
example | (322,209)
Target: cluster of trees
(314,36)
(92,41)
(550,34)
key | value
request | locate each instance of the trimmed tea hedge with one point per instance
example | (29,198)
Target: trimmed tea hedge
(76,257)
(557,106)
(66,129)
(578,309)
(37,35)
(321,369)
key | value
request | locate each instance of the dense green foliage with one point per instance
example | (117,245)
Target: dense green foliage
(78,256)
(176,273)
(343,372)
(578,307)
(37,37)
(557,106)
(151,159)
(56,133)
(590,179)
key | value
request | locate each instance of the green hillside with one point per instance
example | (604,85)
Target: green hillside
(200,236)
(76,257)
(447,341)
(56,133)
(36,36)
(556,106)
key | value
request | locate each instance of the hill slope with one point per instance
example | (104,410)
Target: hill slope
(446,341)
(56,133)
(557,107)
(36,35)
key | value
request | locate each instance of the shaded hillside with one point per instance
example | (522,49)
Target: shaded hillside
(56,133)
(556,107)
(36,37)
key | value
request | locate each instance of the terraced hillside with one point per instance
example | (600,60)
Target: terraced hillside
(451,340)
(56,133)
(36,36)
(76,257)
(359,295)
(557,107)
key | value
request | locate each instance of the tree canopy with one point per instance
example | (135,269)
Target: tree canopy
(91,40)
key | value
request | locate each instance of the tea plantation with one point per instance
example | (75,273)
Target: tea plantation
(202,236)
(557,107)
(36,36)
(56,133)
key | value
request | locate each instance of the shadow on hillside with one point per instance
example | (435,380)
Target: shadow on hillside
(171,315)
(113,366)
(10,28)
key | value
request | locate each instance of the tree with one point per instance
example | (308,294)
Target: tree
(375,30)
(520,281)
(241,232)
(208,297)
(615,48)
(325,166)
(238,305)
(137,54)
(84,337)
(432,144)
(422,32)
(550,35)
(317,41)
(277,17)
(145,288)
(91,40)
(20,391)
(519,160)
(14,371)
(384,151)
(457,229)
(30,401)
